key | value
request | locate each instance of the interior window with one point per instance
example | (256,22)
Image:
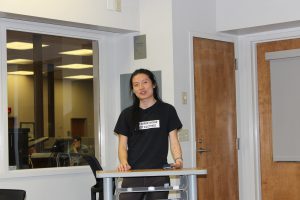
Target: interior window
(50,100)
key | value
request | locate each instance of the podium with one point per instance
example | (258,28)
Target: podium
(187,186)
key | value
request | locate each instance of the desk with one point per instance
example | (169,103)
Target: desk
(191,173)
(42,160)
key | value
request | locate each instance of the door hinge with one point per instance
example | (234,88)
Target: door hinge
(236,64)
(238,143)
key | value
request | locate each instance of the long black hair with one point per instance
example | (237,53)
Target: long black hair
(136,101)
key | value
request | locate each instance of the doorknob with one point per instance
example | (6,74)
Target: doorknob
(202,150)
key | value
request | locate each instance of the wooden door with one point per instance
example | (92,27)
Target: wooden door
(279,180)
(78,127)
(215,110)
(11,122)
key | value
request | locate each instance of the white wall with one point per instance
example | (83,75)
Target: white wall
(48,187)
(236,14)
(118,61)
(156,23)
(189,17)
(90,12)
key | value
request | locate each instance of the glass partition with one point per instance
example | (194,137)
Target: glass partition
(50,85)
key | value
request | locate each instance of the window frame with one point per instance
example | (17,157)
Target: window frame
(55,30)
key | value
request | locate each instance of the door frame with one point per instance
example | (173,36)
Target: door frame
(248,104)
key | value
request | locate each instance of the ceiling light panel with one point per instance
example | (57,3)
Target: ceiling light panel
(78,52)
(21,45)
(75,66)
(79,77)
(20,61)
(21,73)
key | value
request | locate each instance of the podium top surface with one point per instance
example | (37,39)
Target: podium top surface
(150,172)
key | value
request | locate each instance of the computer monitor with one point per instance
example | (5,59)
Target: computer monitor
(61,146)
(18,147)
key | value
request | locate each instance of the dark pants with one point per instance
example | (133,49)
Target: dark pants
(145,182)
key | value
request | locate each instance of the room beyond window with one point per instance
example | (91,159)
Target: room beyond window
(50,86)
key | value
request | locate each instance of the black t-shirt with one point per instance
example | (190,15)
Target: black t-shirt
(148,142)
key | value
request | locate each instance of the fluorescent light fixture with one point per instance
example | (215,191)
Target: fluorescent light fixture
(75,66)
(21,73)
(79,77)
(78,52)
(21,45)
(20,61)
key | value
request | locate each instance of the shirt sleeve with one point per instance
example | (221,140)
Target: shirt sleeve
(122,126)
(173,121)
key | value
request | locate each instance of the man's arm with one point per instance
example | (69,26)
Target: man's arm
(176,149)
(123,156)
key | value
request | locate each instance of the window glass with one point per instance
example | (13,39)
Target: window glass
(50,100)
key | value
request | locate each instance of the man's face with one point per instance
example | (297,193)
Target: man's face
(76,143)
(142,87)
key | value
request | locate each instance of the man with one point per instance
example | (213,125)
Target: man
(144,131)
(78,148)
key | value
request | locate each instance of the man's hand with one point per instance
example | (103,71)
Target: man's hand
(124,167)
(178,164)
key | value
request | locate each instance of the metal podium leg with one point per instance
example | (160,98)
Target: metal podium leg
(192,187)
(107,188)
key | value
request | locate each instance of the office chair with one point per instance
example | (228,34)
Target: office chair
(63,159)
(95,166)
(12,194)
